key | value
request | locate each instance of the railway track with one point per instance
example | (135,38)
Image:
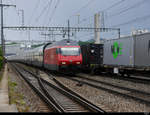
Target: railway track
(33,83)
(137,95)
(133,78)
(114,85)
(140,78)
(57,97)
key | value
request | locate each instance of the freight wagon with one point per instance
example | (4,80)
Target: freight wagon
(128,53)
(125,55)
(92,55)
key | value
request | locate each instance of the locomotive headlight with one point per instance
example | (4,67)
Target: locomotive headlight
(78,62)
(63,63)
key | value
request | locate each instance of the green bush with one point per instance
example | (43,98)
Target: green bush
(12,43)
(84,43)
(1,58)
(37,45)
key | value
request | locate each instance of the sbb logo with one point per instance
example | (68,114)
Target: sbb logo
(116,49)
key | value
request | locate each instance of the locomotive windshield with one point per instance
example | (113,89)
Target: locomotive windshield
(70,51)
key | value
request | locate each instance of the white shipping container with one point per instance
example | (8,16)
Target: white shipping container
(131,51)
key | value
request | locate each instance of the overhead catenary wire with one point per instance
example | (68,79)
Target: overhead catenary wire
(80,9)
(53,12)
(83,7)
(89,3)
(138,19)
(129,8)
(108,8)
(42,11)
(35,8)
(50,4)
(114,5)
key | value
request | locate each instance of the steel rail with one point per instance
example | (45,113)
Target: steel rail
(111,91)
(38,92)
(116,86)
(88,105)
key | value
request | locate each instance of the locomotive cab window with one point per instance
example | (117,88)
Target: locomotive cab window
(70,51)
(58,51)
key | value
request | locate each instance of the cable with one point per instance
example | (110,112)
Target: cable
(129,8)
(36,6)
(110,7)
(48,11)
(89,3)
(83,7)
(113,5)
(53,12)
(79,10)
(133,21)
(37,19)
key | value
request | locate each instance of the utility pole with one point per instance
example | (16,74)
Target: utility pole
(78,19)
(75,34)
(29,35)
(68,31)
(97,25)
(22,12)
(2,31)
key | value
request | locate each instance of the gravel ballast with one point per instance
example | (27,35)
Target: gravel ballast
(34,103)
(123,83)
(107,101)
(101,98)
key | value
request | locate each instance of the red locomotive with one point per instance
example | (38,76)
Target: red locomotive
(62,56)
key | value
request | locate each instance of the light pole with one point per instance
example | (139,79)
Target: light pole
(2,27)
(78,15)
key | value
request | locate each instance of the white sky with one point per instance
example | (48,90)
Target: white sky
(36,15)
